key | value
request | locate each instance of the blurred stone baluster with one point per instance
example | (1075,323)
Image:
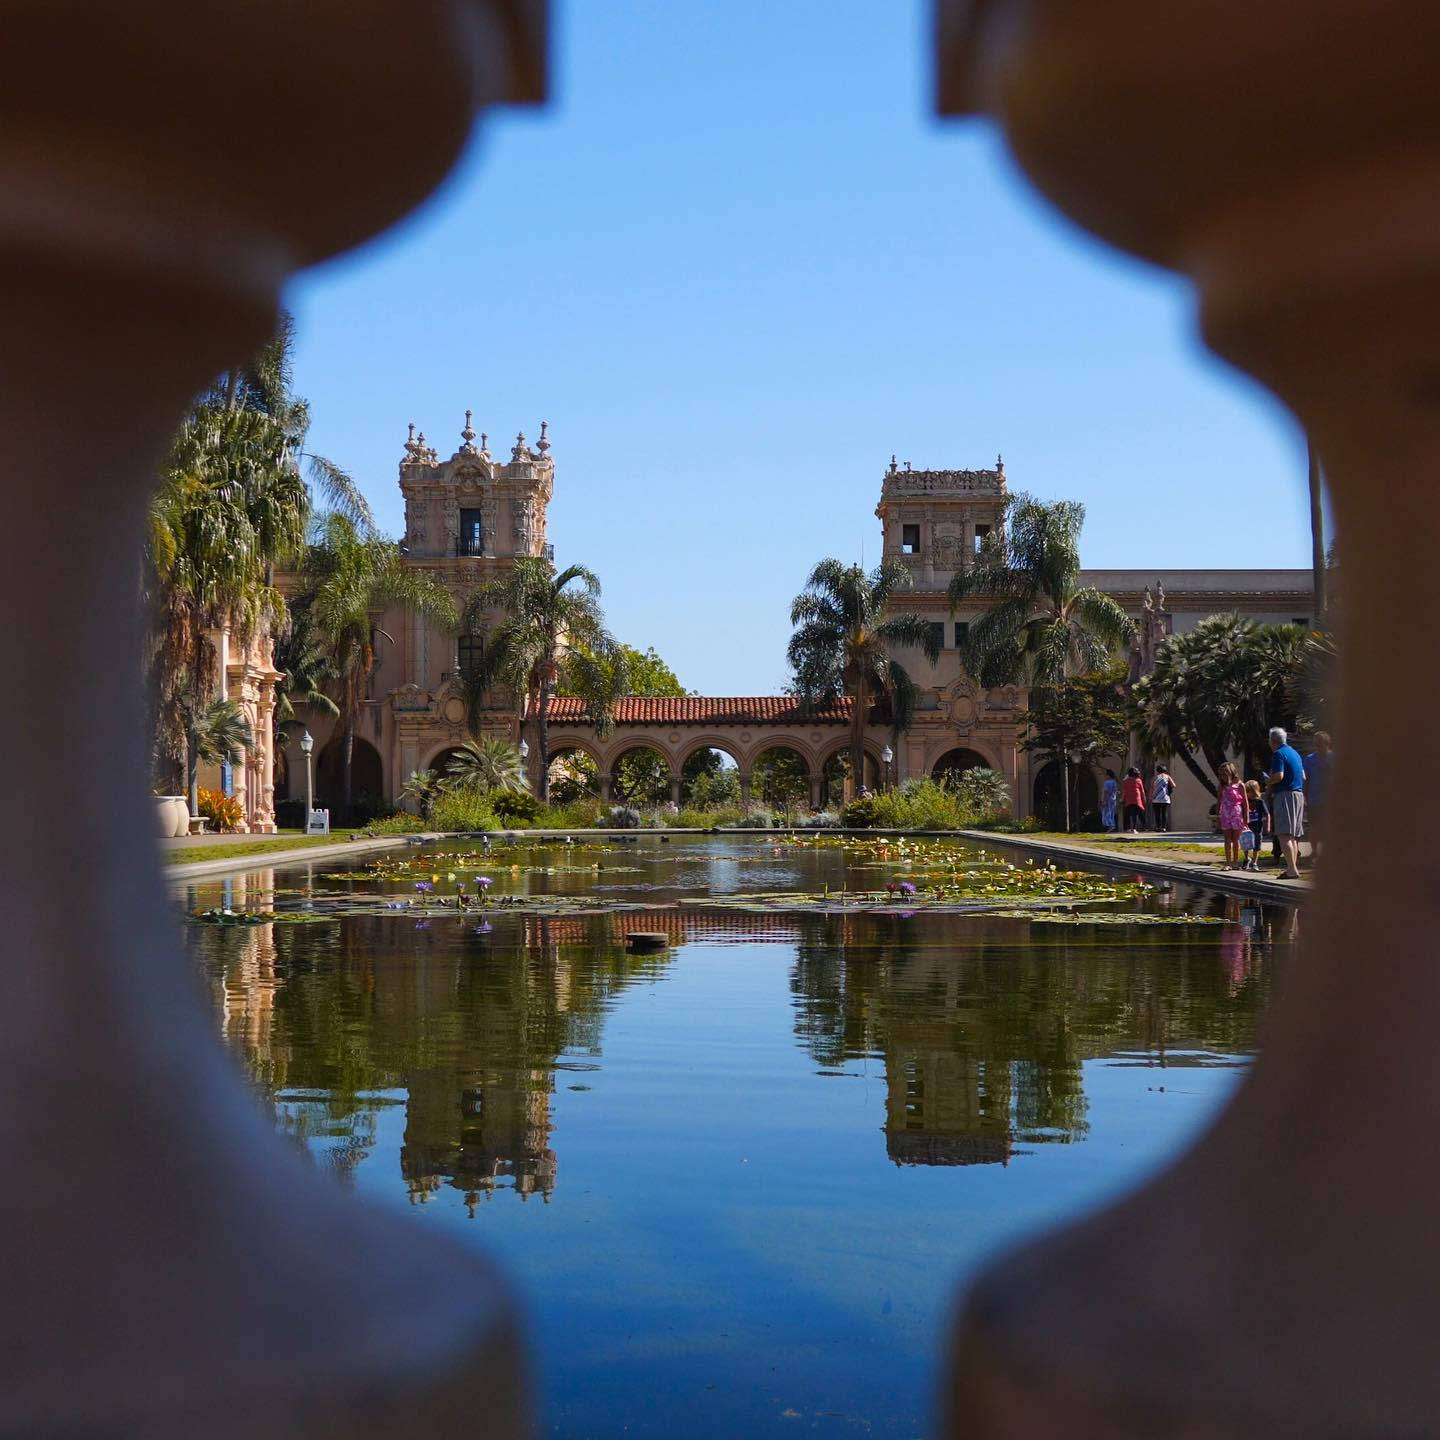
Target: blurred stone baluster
(1279,1279)
(171,1268)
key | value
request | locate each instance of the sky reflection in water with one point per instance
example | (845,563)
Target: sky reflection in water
(737,1181)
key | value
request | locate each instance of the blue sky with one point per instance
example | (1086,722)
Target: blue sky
(736,263)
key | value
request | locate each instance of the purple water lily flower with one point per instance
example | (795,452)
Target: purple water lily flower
(484,881)
(424,886)
(907,887)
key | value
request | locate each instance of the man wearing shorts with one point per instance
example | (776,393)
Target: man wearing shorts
(1286,784)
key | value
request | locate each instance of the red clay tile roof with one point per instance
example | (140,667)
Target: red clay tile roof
(709,710)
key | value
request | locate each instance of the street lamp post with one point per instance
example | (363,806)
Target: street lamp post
(886,756)
(524,753)
(307,746)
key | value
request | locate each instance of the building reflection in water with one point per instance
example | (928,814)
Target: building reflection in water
(982,1027)
(983,1042)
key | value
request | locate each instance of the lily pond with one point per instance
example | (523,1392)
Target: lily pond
(739,1178)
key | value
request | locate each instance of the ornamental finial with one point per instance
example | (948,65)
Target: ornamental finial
(518,452)
(543,444)
(467,436)
(1000,464)
(484,443)
(893,466)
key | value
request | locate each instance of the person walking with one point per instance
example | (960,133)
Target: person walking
(1161,790)
(1259,824)
(1132,795)
(1234,813)
(1109,800)
(1286,784)
(1317,786)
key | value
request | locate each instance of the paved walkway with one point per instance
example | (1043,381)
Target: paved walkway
(201,868)
(1132,856)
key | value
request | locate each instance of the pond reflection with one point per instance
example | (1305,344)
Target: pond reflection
(769,1148)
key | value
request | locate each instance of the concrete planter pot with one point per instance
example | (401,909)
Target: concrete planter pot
(172,816)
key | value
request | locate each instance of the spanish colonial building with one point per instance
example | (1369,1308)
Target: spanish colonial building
(470,516)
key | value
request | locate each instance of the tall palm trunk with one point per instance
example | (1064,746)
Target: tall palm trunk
(192,740)
(1317,532)
(542,738)
(347,748)
(857,733)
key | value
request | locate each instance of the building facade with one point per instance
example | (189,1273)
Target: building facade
(469,517)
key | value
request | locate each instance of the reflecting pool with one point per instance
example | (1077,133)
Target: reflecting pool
(737,1180)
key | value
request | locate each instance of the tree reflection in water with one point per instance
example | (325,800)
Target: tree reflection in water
(982,1024)
(983,1028)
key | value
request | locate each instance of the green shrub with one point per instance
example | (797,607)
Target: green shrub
(580,814)
(400,823)
(705,818)
(985,792)
(916,805)
(464,810)
(861,814)
(515,807)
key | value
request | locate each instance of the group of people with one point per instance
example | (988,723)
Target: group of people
(1129,797)
(1290,802)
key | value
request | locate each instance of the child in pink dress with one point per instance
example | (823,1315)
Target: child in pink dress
(1234,813)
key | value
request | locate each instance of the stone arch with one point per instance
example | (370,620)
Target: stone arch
(367,778)
(830,784)
(702,784)
(958,759)
(574,782)
(776,779)
(643,790)
(563,742)
(1048,797)
(439,762)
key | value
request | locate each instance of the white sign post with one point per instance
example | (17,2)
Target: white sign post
(318,823)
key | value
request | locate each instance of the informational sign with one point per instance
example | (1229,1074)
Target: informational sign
(319,823)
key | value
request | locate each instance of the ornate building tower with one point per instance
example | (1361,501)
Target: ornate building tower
(467,520)
(934,520)
(473,508)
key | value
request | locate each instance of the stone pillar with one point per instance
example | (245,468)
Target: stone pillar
(1314,244)
(606,782)
(815,782)
(745,790)
(675,790)
(141,251)
(265,736)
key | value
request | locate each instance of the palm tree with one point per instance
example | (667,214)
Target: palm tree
(224,514)
(231,506)
(222,733)
(424,787)
(1217,689)
(1043,625)
(486,764)
(348,579)
(540,617)
(602,677)
(263,387)
(842,643)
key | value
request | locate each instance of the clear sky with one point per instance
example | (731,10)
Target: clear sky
(736,263)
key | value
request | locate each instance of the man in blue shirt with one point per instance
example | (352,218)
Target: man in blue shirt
(1286,783)
(1317,787)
